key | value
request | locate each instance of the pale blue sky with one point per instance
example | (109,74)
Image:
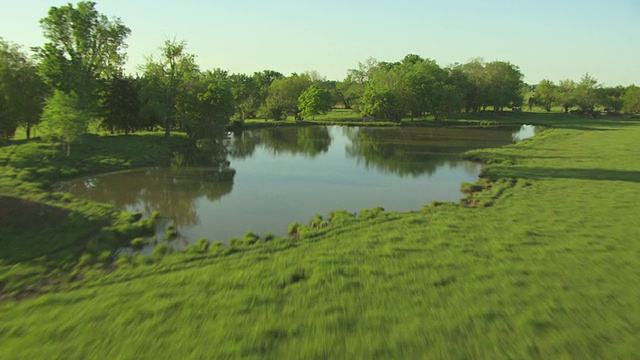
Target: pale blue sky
(553,39)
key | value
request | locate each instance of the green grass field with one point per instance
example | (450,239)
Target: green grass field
(551,270)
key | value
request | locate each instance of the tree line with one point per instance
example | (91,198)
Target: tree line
(76,79)
(586,95)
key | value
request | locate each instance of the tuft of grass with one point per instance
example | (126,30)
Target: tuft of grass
(250,238)
(293,229)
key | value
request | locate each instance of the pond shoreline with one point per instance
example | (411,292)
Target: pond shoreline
(120,149)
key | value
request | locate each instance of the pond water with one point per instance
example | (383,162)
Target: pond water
(272,177)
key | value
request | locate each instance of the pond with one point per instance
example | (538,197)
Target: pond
(272,177)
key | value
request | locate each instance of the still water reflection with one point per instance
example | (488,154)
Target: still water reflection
(272,177)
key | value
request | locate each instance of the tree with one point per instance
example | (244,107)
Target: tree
(631,100)
(121,105)
(585,92)
(475,86)
(22,91)
(611,98)
(64,118)
(565,94)
(83,48)
(246,95)
(207,105)
(314,101)
(503,85)
(545,94)
(427,86)
(385,95)
(167,75)
(283,97)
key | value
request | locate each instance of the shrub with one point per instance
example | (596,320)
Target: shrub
(160,251)
(469,188)
(293,228)
(86,260)
(371,213)
(250,238)
(104,257)
(339,217)
(123,259)
(138,243)
(142,260)
(317,222)
(171,234)
(202,245)
(216,247)
(269,237)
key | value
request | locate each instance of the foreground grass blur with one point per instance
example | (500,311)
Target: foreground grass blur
(549,270)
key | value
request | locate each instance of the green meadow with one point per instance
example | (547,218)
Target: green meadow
(541,259)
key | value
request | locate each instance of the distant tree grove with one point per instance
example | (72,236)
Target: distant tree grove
(76,79)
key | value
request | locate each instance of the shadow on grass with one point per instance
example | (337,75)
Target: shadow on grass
(32,230)
(536,173)
(18,212)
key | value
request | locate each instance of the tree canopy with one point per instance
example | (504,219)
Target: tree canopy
(83,47)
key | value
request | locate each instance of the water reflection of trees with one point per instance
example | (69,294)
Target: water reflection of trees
(173,191)
(309,141)
(418,151)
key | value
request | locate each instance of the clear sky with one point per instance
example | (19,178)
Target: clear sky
(553,39)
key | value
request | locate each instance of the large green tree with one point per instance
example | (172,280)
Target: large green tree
(206,106)
(631,100)
(63,118)
(314,101)
(166,76)
(545,94)
(475,85)
(283,97)
(504,83)
(566,94)
(83,48)
(586,95)
(385,95)
(611,98)
(246,95)
(121,105)
(22,91)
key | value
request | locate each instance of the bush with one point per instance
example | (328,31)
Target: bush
(371,213)
(142,260)
(86,260)
(293,228)
(340,217)
(201,246)
(269,237)
(250,238)
(171,234)
(123,259)
(104,257)
(317,222)
(469,188)
(138,243)
(160,251)
(215,247)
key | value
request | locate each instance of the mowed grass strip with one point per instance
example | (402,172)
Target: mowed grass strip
(550,270)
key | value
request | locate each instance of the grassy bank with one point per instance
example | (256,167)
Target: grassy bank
(47,238)
(549,270)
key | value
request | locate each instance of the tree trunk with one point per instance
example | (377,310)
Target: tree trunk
(28,131)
